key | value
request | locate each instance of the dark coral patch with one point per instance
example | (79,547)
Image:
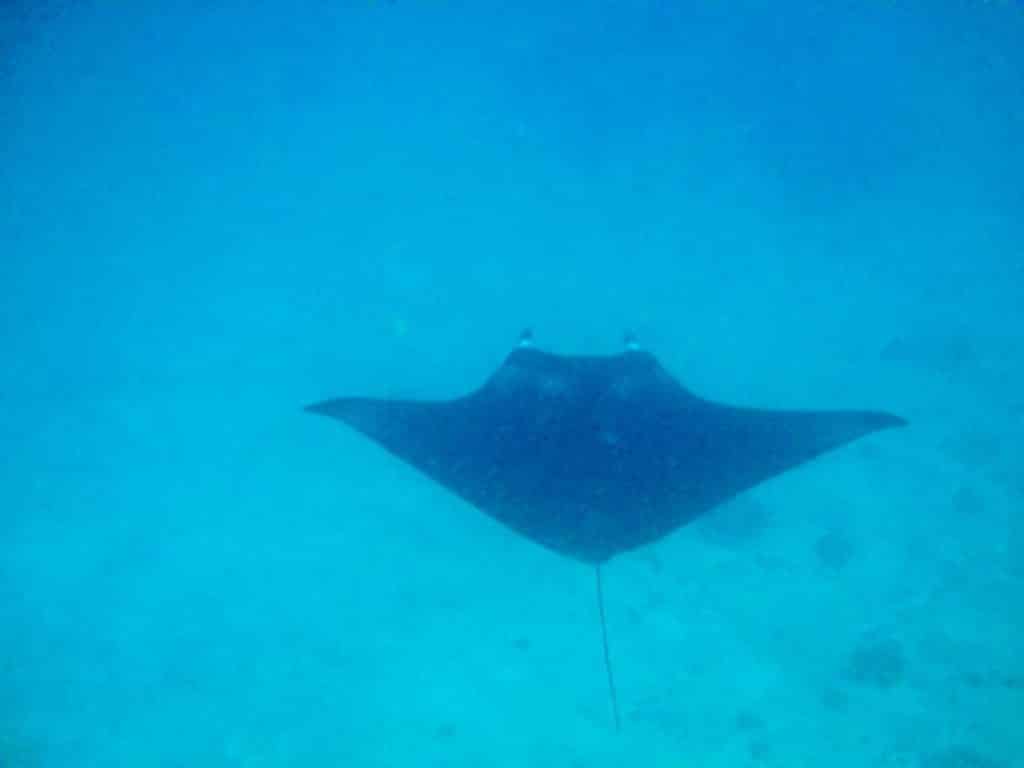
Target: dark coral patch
(877,662)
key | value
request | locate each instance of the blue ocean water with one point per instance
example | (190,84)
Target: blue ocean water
(215,213)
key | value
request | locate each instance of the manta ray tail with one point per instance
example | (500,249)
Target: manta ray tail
(604,640)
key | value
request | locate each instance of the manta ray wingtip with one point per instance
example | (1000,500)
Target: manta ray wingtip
(883,420)
(321,407)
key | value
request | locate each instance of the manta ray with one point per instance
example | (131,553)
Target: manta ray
(593,456)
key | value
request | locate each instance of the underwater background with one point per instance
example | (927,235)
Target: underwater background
(214,213)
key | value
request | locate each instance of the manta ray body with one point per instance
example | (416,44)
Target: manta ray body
(594,456)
